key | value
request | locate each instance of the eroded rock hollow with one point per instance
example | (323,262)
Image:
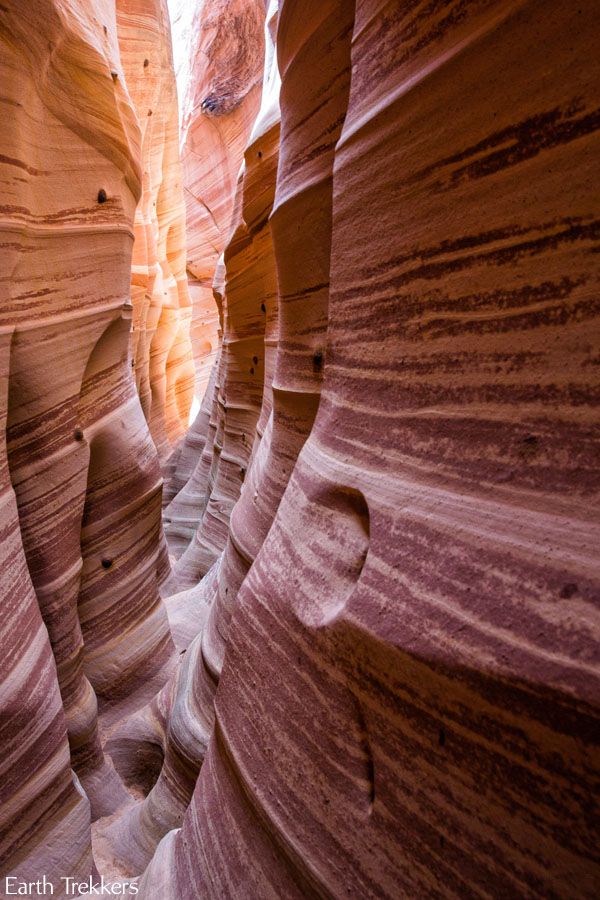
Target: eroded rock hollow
(337,637)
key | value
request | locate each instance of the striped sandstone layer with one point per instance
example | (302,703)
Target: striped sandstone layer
(44,815)
(386,647)
(184,708)
(220,97)
(244,399)
(221,52)
(162,309)
(408,703)
(82,620)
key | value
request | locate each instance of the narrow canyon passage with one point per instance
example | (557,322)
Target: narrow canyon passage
(299,449)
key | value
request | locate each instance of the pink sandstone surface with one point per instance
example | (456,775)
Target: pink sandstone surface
(374,670)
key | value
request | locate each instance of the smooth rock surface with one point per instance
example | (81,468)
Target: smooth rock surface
(82,615)
(162,308)
(375,671)
(408,704)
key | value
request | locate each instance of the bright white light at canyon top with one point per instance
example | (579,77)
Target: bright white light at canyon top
(183,14)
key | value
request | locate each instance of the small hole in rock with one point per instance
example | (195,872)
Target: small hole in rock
(78,434)
(259,154)
(318,361)
(105,30)
(243,473)
(442,737)
(107,563)
(114,74)
(149,112)
(255,360)
(146,63)
(263,307)
(529,445)
(568,590)
(102,198)
(252,370)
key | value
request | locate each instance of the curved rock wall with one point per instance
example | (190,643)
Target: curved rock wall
(44,816)
(220,61)
(241,443)
(81,485)
(379,674)
(249,342)
(162,308)
(220,51)
(220,54)
(409,698)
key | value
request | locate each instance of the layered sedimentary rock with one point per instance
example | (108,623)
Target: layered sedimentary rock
(184,708)
(221,45)
(225,50)
(220,52)
(162,308)
(409,697)
(44,815)
(85,612)
(385,674)
(244,398)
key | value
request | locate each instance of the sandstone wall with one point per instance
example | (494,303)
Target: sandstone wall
(408,698)
(221,58)
(379,673)
(82,618)
(162,308)
(242,438)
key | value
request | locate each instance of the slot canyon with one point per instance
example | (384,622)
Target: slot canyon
(300,449)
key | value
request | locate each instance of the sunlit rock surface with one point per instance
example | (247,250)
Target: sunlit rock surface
(225,51)
(221,46)
(162,310)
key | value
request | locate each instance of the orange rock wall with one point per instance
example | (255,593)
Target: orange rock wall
(222,47)
(225,48)
(162,309)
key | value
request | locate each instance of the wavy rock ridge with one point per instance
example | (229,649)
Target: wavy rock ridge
(375,669)
(81,482)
